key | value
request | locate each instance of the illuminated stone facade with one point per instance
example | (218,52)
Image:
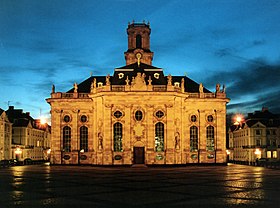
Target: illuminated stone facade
(258,136)
(138,115)
(30,139)
(5,136)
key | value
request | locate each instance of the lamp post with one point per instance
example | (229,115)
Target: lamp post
(258,155)
(18,152)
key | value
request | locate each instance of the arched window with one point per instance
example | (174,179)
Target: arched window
(159,137)
(67,139)
(138,41)
(193,138)
(84,138)
(210,138)
(118,137)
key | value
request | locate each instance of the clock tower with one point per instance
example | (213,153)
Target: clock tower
(138,44)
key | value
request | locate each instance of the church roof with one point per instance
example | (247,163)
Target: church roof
(122,73)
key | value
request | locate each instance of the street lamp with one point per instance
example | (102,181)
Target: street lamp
(18,152)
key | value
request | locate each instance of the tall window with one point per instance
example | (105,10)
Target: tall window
(210,138)
(67,139)
(159,137)
(118,137)
(84,138)
(193,138)
(138,41)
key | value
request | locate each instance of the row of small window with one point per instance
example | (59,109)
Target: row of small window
(138,116)
(159,138)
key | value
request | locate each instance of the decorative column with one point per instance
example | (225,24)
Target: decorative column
(169,134)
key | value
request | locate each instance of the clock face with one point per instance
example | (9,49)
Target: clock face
(138,55)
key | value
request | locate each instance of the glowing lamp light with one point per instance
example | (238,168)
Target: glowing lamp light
(257,152)
(238,118)
(43,120)
(82,150)
(49,151)
(228,152)
(18,151)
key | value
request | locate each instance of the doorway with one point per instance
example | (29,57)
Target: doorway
(139,155)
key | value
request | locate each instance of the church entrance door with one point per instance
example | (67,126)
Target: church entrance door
(139,155)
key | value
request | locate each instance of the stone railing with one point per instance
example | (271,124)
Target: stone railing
(123,88)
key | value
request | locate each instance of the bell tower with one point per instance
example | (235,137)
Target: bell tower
(138,44)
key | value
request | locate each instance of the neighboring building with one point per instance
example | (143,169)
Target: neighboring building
(138,115)
(258,136)
(5,136)
(30,138)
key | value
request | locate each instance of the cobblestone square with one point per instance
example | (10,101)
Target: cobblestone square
(191,186)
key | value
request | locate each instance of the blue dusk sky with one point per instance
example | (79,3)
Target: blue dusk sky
(231,42)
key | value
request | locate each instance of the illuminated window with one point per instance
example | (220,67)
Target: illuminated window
(156,75)
(118,137)
(67,139)
(159,137)
(210,138)
(138,115)
(268,154)
(274,154)
(193,118)
(84,138)
(121,75)
(193,138)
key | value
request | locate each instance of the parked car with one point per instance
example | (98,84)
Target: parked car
(4,163)
(13,162)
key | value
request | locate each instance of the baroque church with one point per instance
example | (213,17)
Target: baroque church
(138,115)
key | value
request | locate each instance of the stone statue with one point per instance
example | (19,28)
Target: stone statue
(100,141)
(169,79)
(177,140)
(127,80)
(143,78)
(75,87)
(224,89)
(108,79)
(53,89)
(200,88)
(218,87)
(150,80)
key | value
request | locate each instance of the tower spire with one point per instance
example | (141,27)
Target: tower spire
(138,42)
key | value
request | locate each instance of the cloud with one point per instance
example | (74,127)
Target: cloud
(251,86)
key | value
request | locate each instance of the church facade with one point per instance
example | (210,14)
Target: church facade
(138,115)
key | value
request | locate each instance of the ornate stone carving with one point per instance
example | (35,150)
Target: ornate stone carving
(169,80)
(108,80)
(100,140)
(177,140)
(138,130)
(75,88)
(200,88)
(138,83)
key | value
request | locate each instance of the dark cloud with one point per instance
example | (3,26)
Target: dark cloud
(256,82)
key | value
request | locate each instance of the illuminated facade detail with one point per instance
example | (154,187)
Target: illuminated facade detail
(30,138)
(139,115)
(5,136)
(256,137)
(193,139)
(67,139)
